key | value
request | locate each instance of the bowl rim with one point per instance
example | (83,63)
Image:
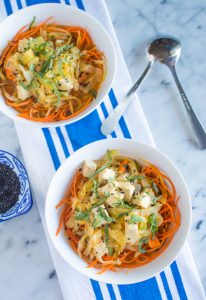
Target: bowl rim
(84,270)
(29,188)
(88,109)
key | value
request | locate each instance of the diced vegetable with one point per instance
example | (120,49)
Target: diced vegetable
(27,57)
(23,94)
(89,167)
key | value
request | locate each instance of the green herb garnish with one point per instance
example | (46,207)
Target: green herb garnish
(95,186)
(133,177)
(81,215)
(142,241)
(122,204)
(31,68)
(63,48)
(124,213)
(26,87)
(155,188)
(53,85)
(32,23)
(155,199)
(153,224)
(109,156)
(93,93)
(59,66)
(135,219)
(107,218)
(85,214)
(97,221)
(106,232)
(47,64)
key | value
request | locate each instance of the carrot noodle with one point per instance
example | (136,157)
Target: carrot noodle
(78,100)
(127,259)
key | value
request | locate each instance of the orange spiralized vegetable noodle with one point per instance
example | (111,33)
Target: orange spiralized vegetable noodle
(55,71)
(130,256)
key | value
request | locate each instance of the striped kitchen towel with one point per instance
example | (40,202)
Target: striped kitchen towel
(50,147)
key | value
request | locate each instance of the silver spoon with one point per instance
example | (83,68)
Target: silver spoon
(167,51)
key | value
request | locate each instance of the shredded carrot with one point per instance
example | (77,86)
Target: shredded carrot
(123,166)
(154,243)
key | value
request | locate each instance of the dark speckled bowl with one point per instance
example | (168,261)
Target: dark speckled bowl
(24,203)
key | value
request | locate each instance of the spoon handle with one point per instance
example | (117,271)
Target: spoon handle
(197,127)
(109,124)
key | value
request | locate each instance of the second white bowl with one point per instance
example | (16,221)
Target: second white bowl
(95,151)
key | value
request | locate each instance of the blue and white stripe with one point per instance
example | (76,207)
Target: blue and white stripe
(62,141)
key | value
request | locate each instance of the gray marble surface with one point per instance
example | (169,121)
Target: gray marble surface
(23,249)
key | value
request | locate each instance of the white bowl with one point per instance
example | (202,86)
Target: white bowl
(67,15)
(135,150)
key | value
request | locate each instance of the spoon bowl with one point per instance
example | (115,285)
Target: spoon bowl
(163,48)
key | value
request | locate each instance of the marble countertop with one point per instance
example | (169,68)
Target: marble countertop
(23,251)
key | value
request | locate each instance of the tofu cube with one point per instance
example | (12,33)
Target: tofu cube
(23,45)
(22,93)
(106,189)
(128,189)
(105,175)
(144,200)
(113,199)
(89,167)
(131,232)
(100,249)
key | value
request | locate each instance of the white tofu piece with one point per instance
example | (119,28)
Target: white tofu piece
(89,167)
(22,93)
(100,249)
(144,200)
(23,45)
(128,189)
(95,212)
(131,232)
(105,175)
(28,75)
(113,199)
(107,188)
(154,209)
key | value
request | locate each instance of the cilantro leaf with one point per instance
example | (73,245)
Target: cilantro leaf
(105,216)
(32,23)
(95,186)
(106,232)
(155,188)
(124,213)
(133,177)
(81,215)
(142,242)
(97,221)
(135,219)
(122,204)
(108,163)
(153,223)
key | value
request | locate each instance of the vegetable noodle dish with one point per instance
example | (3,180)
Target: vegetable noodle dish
(119,212)
(51,72)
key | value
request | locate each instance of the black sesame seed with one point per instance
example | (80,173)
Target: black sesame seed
(9,188)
